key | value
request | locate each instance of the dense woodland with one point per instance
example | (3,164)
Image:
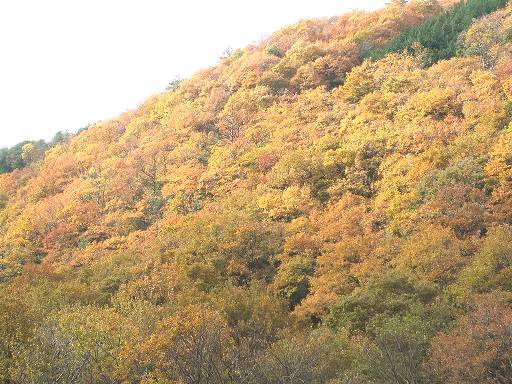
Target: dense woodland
(330,205)
(27,152)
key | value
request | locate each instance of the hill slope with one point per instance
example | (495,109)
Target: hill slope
(294,214)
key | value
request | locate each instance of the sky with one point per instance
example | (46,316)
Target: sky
(67,63)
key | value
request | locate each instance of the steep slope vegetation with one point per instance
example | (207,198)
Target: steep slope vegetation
(27,152)
(440,33)
(294,214)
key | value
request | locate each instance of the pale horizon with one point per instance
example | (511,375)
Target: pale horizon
(68,64)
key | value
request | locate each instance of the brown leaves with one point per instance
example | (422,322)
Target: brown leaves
(479,349)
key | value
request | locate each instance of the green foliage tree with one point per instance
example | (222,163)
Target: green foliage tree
(440,33)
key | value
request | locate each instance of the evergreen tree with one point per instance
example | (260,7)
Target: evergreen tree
(439,34)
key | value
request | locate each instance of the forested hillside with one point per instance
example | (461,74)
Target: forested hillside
(27,152)
(330,205)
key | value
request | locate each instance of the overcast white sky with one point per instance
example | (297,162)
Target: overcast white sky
(67,63)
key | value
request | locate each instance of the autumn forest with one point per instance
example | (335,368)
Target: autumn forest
(332,204)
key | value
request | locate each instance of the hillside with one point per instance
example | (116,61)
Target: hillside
(330,205)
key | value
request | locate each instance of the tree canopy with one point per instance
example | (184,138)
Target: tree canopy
(297,213)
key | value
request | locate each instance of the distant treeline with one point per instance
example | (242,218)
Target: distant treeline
(24,153)
(439,34)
